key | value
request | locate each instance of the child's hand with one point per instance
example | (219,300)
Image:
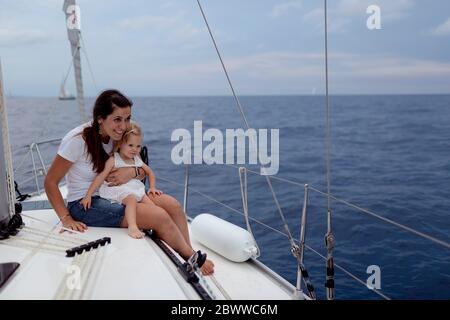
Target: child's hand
(86,202)
(154,192)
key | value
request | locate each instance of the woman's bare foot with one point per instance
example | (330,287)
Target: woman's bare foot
(207,268)
(134,232)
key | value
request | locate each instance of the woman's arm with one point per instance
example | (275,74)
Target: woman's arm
(119,176)
(100,177)
(86,201)
(57,171)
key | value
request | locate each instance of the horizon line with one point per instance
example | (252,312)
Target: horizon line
(244,95)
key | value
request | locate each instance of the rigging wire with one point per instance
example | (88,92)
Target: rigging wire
(329,236)
(83,47)
(238,103)
(212,199)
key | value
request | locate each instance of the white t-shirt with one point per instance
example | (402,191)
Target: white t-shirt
(80,175)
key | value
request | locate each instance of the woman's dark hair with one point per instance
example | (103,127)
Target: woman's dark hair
(104,105)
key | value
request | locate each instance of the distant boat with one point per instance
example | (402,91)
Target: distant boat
(64,94)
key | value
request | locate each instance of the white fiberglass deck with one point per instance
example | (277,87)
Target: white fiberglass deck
(131,269)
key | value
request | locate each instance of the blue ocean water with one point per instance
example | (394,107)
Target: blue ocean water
(390,155)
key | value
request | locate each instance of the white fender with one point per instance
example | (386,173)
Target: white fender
(227,239)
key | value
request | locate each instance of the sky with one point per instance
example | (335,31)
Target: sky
(162,48)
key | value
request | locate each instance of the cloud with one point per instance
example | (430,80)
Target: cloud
(12,37)
(171,30)
(382,67)
(443,29)
(335,23)
(285,8)
(291,72)
(291,64)
(391,10)
(341,15)
(148,22)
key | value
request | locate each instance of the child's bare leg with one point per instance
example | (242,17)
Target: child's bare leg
(130,203)
(146,199)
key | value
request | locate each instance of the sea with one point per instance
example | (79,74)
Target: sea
(389,155)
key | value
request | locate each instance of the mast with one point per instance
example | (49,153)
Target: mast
(7,191)
(73,24)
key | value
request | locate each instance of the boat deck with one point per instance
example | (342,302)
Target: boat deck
(129,269)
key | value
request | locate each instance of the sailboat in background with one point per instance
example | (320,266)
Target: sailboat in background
(63,93)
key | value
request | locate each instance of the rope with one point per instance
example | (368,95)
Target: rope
(55,237)
(204,283)
(36,248)
(23,159)
(68,70)
(392,222)
(20,197)
(358,208)
(62,291)
(243,181)
(16,243)
(327,124)
(219,287)
(238,103)
(33,240)
(100,258)
(349,273)
(87,271)
(89,265)
(268,227)
(36,172)
(44,245)
(88,62)
(81,239)
(329,236)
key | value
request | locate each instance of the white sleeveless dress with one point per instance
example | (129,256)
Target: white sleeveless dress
(133,187)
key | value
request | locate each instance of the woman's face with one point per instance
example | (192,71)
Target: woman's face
(116,123)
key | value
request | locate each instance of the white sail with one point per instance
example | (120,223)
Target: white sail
(72,12)
(63,93)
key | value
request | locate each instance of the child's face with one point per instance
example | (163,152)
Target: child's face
(131,147)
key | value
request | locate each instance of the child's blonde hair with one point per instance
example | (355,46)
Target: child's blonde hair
(133,129)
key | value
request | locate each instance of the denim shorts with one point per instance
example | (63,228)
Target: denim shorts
(102,213)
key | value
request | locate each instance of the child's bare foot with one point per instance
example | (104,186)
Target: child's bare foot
(207,268)
(134,232)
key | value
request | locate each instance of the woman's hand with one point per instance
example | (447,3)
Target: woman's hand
(154,192)
(86,202)
(69,223)
(120,176)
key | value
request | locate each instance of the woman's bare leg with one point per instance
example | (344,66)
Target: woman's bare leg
(150,216)
(174,209)
(146,199)
(130,203)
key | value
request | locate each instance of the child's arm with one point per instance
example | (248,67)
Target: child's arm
(86,202)
(152,180)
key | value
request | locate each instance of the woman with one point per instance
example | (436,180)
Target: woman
(82,155)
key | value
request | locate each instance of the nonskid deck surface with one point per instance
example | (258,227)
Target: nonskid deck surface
(129,269)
